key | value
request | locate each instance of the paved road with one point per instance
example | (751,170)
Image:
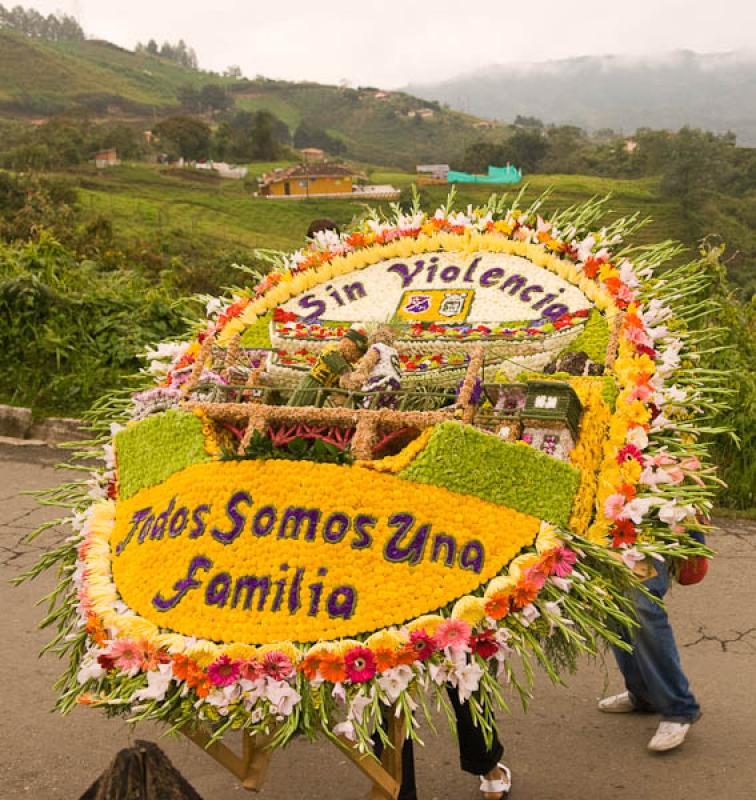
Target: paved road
(562,749)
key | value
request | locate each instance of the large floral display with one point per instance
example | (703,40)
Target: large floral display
(269,548)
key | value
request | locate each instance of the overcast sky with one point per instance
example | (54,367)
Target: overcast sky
(389,43)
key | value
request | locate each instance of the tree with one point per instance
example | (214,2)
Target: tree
(54,27)
(479,155)
(233,71)
(524,149)
(184,136)
(214,97)
(528,122)
(307,135)
(189,98)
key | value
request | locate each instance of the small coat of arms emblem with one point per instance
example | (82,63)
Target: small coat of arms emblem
(452,304)
(417,304)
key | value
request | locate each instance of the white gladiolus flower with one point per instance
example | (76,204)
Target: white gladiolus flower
(394,681)
(158,682)
(282,697)
(467,680)
(89,669)
(631,557)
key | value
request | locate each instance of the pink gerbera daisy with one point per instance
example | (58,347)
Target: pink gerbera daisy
(453,633)
(223,671)
(360,664)
(250,670)
(564,561)
(277,665)
(126,655)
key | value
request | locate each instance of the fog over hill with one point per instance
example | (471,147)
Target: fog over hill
(712,91)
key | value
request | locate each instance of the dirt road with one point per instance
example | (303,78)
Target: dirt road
(562,749)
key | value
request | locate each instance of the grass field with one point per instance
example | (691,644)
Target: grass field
(148,202)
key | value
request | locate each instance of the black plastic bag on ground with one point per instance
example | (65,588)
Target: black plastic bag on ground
(142,772)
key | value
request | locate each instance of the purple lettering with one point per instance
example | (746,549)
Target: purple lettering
(472,556)
(183,586)
(525,294)
(354,291)
(294,601)
(413,551)
(250,584)
(543,301)
(554,311)
(298,516)
(158,529)
(448,542)
(309,301)
(217,590)
(178,522)
(469,273)
(135,520)
(490,276)
(361,522)
(198,518)
(402,270)
(515,281)
(341,602)
(450,273)
(238,519)
(336,528)
(264,520)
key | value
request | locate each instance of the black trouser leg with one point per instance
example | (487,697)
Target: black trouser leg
(408,789)
(474,756)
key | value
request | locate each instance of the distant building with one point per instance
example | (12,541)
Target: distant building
(507,174)
(423,113)
(630,145)
(306,180)
(484,124)
(438,171)
(106,158)
(310,154)
(381,95)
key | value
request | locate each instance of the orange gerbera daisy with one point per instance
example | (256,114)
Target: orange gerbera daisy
(497,606)
(384,658)
(332,668)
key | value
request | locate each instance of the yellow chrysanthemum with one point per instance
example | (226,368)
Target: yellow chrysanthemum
(239,652)
(548,538)
(388,639)
(521,563)
(504,584)
(428,623)
(204,653)
(470,609)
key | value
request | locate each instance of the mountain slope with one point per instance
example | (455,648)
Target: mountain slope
(716,92)
(40,79)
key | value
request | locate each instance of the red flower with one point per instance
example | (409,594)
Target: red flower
(484,644)
(421,646)
(360,664)
(279,315)
(629,451)
(624,533)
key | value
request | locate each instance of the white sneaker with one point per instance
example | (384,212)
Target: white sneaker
(668,736)
(617,704)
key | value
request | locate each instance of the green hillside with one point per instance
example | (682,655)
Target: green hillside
(148,202)
(40,78)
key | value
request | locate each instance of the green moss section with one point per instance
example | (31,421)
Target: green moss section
(469,461)
(257,334)
(150,451)
(593,339)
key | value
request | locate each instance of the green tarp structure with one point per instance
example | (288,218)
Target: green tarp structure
(508,174)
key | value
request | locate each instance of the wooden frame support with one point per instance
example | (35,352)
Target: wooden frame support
(251,767)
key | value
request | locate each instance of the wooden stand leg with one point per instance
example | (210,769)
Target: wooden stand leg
(386,777)
(251,766)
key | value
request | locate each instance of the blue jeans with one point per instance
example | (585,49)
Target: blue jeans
(653,674)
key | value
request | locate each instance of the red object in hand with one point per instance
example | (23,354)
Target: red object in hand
(693,570)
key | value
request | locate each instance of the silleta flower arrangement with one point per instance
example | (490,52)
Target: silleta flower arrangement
(244,559)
